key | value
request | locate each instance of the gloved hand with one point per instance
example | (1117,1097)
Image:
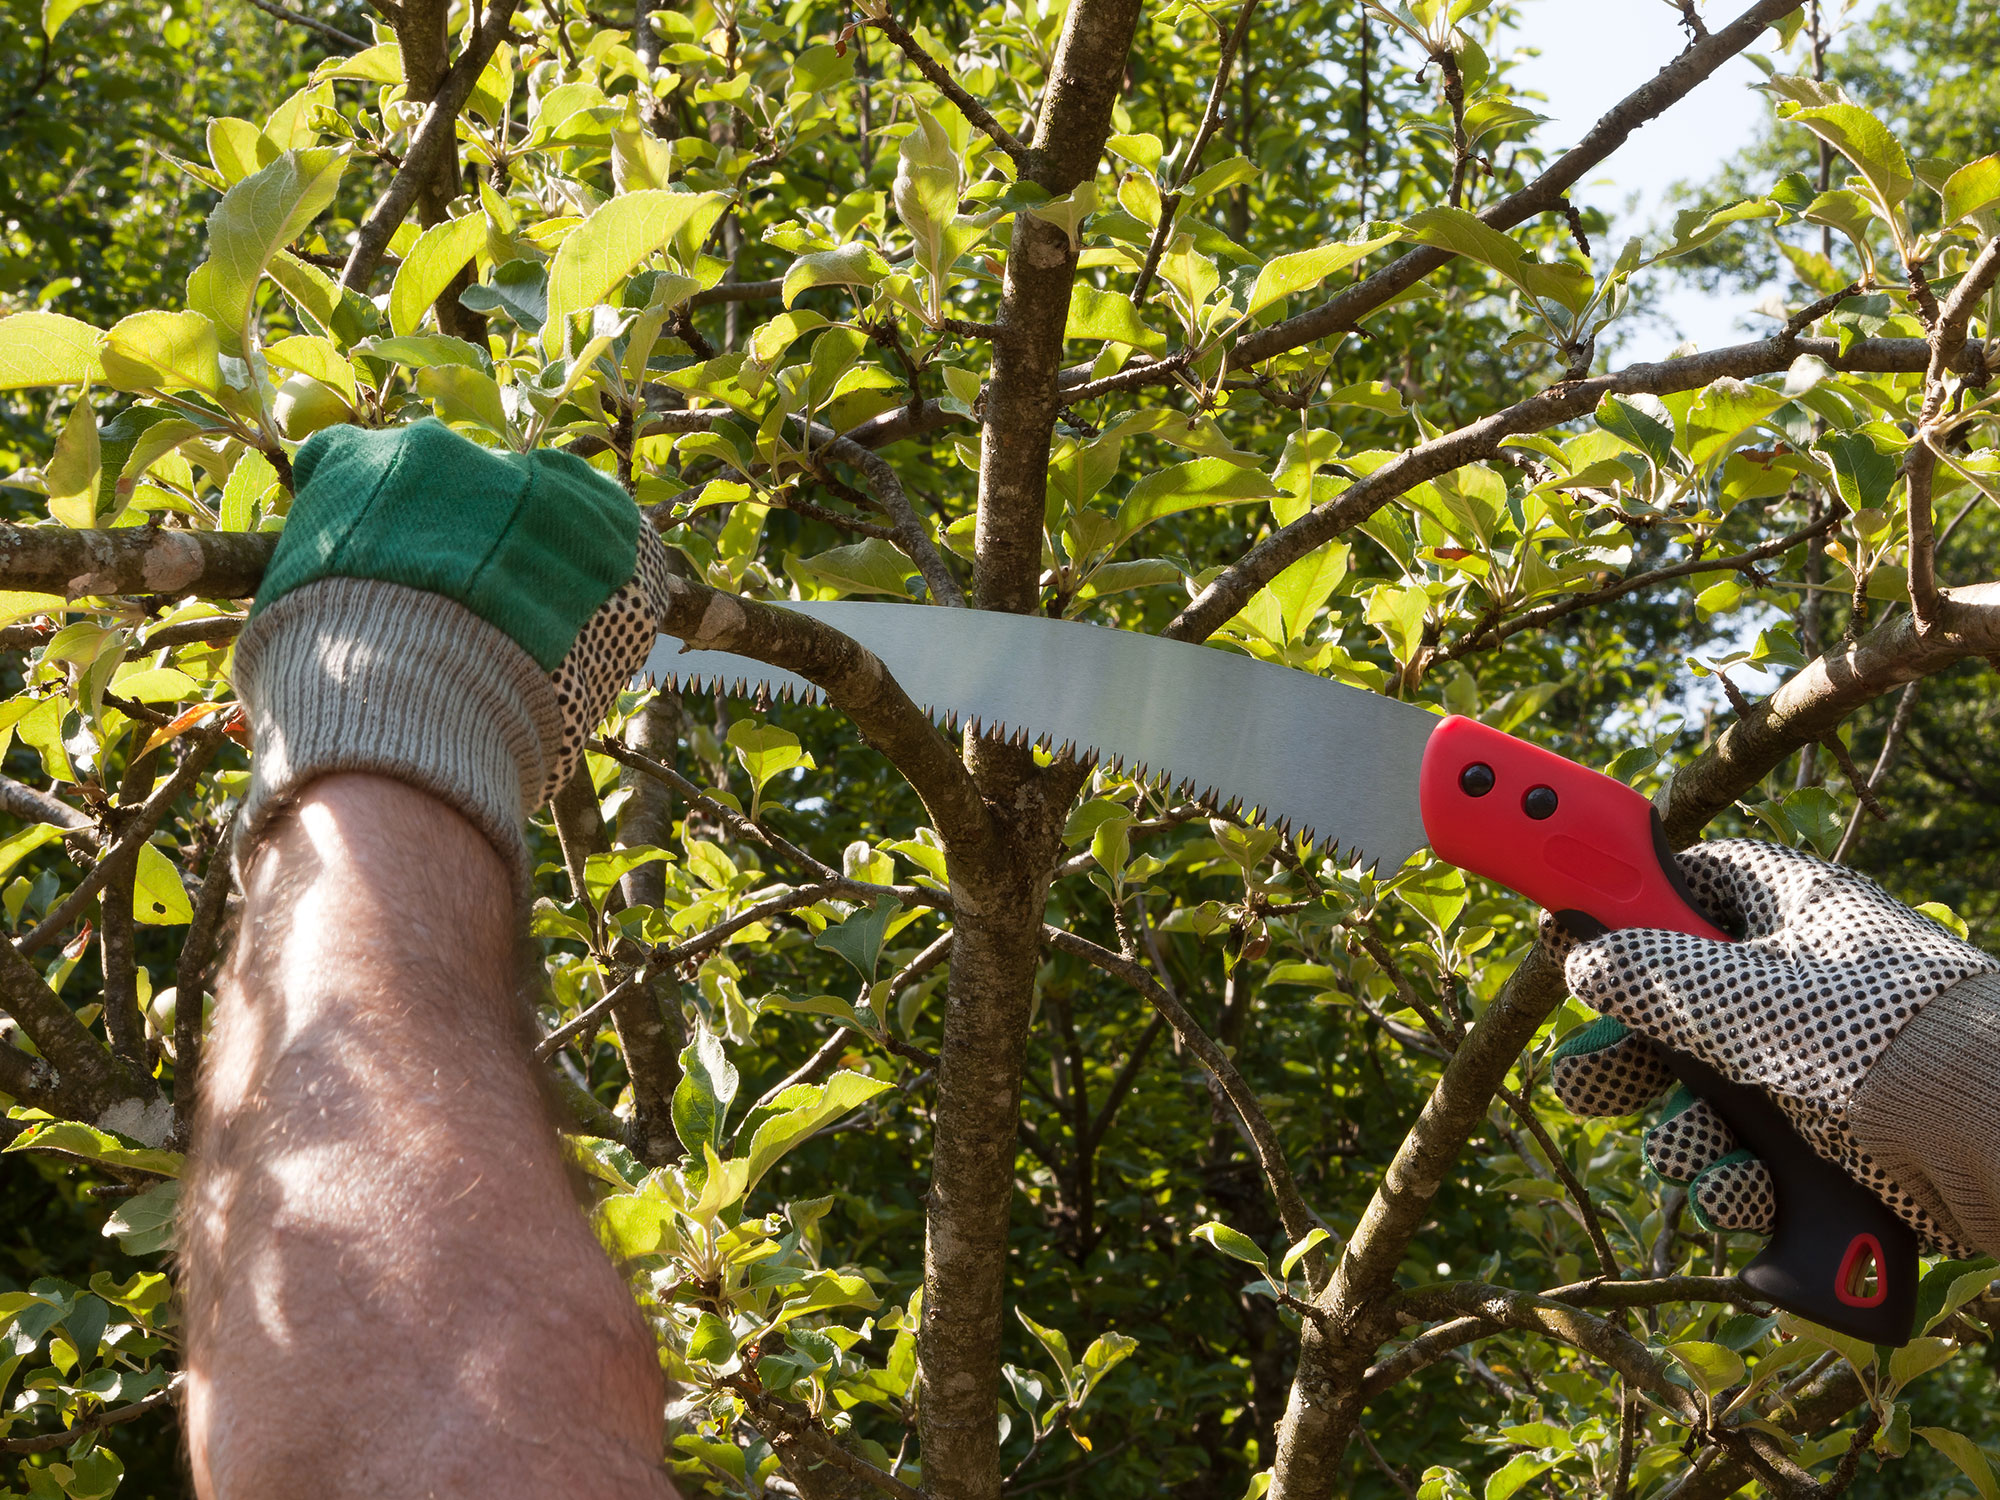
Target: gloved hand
(451,616)
(1874,1029)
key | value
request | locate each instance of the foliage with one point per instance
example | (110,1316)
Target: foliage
(697,252)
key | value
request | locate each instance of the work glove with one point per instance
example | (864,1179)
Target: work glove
(451,616)
(1874,1029)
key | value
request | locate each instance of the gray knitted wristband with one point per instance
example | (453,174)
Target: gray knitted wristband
(352,674)
(1929,1112)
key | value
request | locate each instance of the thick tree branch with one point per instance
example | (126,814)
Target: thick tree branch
(134,560)
(19,800)
(1810,704)
(435,135)
(854,680)
(1672,83)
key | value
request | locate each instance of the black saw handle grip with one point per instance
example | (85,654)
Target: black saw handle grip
(1590,849)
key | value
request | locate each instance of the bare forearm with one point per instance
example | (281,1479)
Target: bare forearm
(379,1226)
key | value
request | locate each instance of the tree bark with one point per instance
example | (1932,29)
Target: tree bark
(1000,882)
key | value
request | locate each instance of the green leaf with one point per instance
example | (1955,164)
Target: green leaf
(1948,1286)
(1713,1368)
(1300,1251)
(1973,188)
(439,254)
(163,351)
(766,751)
(1517,1471)
(56,12)
(1862,473)
(1188,486)
(1307,584)
(851,265)
(1303,270)
(250,481)
(255,219)
(74,469)
(1722,413)
(464,395)
(702,1098)
(1967,1455)
(874,566)
(74,1138)
(711,1343)
(1234,1243)
(1918,1358)
(1436,893)
(44,348)
(18,846)
(1649,427)
(609,245)
(1112,317)
(423,351)
(144,1224)
(1056,1344)
(1465,234)
(1224,174)
(159,898)
(1864,140)
(318,358)
(859,938)
(519,291)
(803,1109)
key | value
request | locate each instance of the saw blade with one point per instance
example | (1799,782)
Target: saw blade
(1333,762)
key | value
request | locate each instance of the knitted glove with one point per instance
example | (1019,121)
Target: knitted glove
(1815,1006)
(452,616)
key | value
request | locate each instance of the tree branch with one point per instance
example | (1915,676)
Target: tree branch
(1298,1219)
(332,33)
(854,680)
(951,88)
(1671,84)
(1541,614)
(123,856)
(134,560)
(436,134)
(1233,587)
(20,800)
(49,1442)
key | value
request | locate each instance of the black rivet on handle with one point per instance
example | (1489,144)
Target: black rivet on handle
(1477,779)
(1539,802)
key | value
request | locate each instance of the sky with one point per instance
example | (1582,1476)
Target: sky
(1594,52)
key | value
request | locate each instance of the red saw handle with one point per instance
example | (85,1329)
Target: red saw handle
(1590,849)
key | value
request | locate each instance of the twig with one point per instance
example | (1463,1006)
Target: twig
(331,33)
(952,89)
(799,1428)
(738,291)
(1906,703)
(584,1019)
(191,976)
(435,135)
(1483,637)
(48,1442)
(1211,118)
(1298,1219)
(123,856)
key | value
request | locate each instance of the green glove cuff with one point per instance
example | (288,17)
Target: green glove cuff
(531,543)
